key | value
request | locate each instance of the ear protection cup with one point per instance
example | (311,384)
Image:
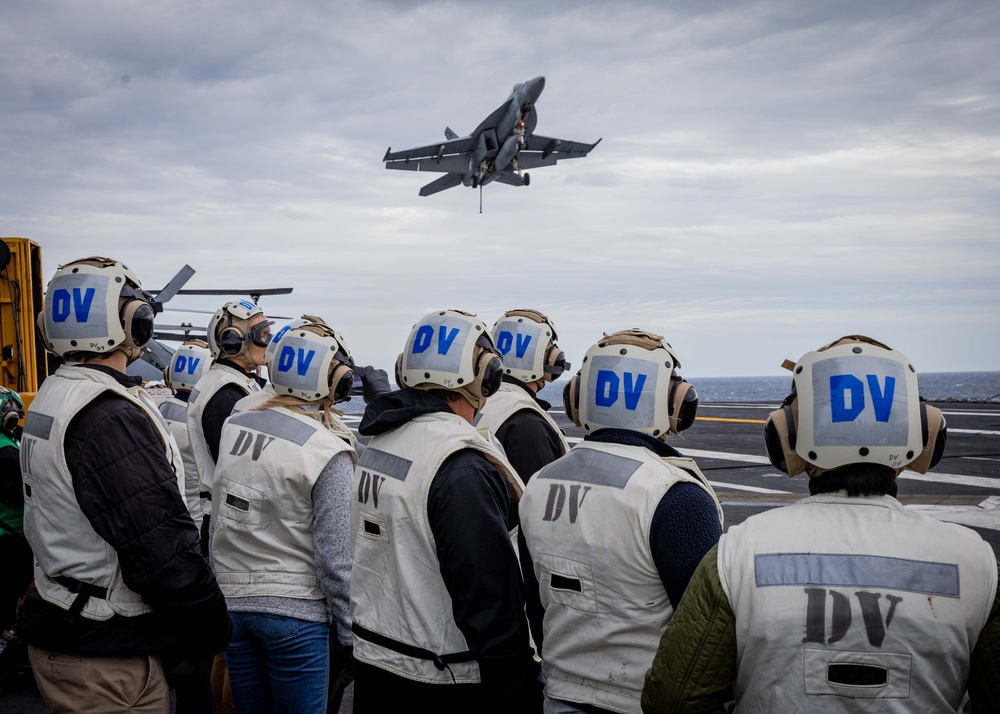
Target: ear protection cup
(683,404)
(341,381)
(934,430)
(555,363)
(399,372)
(571,399)
(137,321)
(11,416)
(43,337)
(489,373)
(779,438)
(230,341)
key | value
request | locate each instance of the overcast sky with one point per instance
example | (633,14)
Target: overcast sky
(772,175)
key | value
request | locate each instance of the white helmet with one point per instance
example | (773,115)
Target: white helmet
(273,344)
(629,380)
(451,349)
(187,364)
(854,401)
(96,305)
(527,341)
(230,334)
(311,362)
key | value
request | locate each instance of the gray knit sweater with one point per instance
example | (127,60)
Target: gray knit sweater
(332,538)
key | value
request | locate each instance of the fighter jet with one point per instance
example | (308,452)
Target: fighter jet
(500,148)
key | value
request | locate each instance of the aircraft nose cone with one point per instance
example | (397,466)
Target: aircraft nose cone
(533,88)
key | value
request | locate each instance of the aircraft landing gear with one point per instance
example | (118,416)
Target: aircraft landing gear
(526,180)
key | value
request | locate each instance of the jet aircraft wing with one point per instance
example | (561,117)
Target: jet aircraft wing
(559,148)
(447,156)
(447,181)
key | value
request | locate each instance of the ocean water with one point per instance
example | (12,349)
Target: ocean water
(934,386)
(972,386)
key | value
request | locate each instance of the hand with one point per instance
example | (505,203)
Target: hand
(374,382)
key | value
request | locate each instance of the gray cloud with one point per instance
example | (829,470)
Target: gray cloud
(772,175)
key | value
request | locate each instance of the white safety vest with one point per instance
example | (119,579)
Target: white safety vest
(63,542)
(262,508)
(257,398)
(586,519)
(508,401)
(174,411)
(267,392)
(397,591)
(217,377)
(854,605)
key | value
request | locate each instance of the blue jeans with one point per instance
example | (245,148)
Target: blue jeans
(278,664)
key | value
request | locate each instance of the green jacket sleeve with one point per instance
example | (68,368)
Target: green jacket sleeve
(695,665)
(984,675)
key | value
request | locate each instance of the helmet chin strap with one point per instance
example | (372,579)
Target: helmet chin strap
(132,353)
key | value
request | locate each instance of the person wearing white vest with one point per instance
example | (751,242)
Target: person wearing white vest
(844,601)
(122,597)
(436,592)
(238,335)
(280,541)
(520,420)
(615,528)
(187,365)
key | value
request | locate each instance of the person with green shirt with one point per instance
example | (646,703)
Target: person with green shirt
(15,554)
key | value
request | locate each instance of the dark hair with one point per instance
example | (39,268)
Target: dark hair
(448,395)
(857,480)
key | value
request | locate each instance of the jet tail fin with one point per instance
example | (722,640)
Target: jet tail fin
(449,134)
(445,182)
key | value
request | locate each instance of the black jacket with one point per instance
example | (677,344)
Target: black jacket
(471,508)
(129,493)
(528,439)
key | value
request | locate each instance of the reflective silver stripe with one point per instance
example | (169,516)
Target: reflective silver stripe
(39,425)
(592,466)
(172,411)
(275,424)
(871,571)
(385,463)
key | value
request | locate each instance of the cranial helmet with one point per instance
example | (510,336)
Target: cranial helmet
(629,380)
(527,341)
(11,409)
(451,349)
(230,334)
(276,337)
(187,364)
(96,305)
(854,401)
(311,362)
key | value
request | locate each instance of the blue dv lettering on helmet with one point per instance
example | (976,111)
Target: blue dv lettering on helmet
(847,396)
(186,364)
(77,302)
(519,342)
(298,358)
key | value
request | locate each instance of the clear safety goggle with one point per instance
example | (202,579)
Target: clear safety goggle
(260,334)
